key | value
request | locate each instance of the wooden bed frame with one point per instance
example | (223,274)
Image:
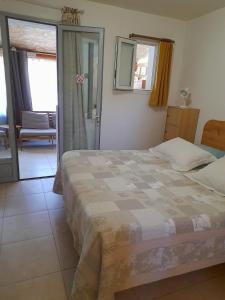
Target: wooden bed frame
(214,134)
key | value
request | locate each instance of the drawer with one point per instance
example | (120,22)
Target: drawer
(171,132)
(174,116)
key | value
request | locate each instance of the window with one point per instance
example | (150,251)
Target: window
(43,83)
(135,64)
(124,64)
(145,66)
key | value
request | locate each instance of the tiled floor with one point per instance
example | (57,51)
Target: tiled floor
(37,160)
(37,258)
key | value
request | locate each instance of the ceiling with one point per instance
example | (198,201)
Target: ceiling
(178,9)
(32,36)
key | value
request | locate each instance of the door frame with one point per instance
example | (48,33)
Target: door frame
(88,29)
(4,16)
(12,162)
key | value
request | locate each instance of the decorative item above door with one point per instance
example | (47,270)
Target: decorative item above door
(71,16)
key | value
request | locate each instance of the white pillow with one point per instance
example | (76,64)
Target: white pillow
(182,155)
(212,176)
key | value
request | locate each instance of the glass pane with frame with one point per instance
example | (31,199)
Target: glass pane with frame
(146,56)
(5,150)
(80,70)
(124,63)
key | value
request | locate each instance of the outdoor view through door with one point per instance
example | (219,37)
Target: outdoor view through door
(34,91)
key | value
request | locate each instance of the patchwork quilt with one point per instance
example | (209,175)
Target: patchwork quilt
(135,220)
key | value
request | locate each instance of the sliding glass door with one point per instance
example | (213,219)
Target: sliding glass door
(80,59)
(8,155)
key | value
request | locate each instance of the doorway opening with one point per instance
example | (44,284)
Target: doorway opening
(33,62)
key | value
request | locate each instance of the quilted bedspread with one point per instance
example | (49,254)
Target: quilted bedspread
(135,220)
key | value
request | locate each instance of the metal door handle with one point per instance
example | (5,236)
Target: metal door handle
(97,118)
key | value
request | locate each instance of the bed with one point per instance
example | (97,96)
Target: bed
(135,220)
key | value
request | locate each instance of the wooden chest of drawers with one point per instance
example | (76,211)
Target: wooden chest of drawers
(181,122)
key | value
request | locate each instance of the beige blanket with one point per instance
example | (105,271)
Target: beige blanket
(134,220)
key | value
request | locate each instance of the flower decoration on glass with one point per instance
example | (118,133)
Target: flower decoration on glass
(80,78)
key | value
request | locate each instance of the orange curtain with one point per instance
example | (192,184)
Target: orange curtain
(160,91)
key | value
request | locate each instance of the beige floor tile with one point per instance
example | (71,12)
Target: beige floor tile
(213,289)
(23,188)
(48,287)
(128,294)
(171,285)
(68,257)
(29,164)
(47,184)
(36,173)
(24,204)
(27,226)
(27,259)
(160,288)
(53,164)
(68,276)
(54,201)
(206,274)
(37,161)
(58,220)
(54,170)
(184,294)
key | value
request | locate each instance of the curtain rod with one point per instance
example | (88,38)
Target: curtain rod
(140,36)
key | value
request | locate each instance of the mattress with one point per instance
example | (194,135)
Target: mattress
(135,220)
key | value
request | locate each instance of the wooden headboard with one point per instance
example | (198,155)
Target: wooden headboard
(214,134)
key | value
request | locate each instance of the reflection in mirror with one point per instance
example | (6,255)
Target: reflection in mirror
(5,151)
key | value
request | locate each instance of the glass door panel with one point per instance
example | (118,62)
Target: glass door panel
(5,151)
(34,89)
(89,67)
(80,85)
(8,157)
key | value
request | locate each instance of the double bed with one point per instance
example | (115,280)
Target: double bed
(135,220)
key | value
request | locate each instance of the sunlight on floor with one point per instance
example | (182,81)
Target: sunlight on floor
(37,160)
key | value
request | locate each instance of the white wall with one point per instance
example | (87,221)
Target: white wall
(127,120)
(204,67)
